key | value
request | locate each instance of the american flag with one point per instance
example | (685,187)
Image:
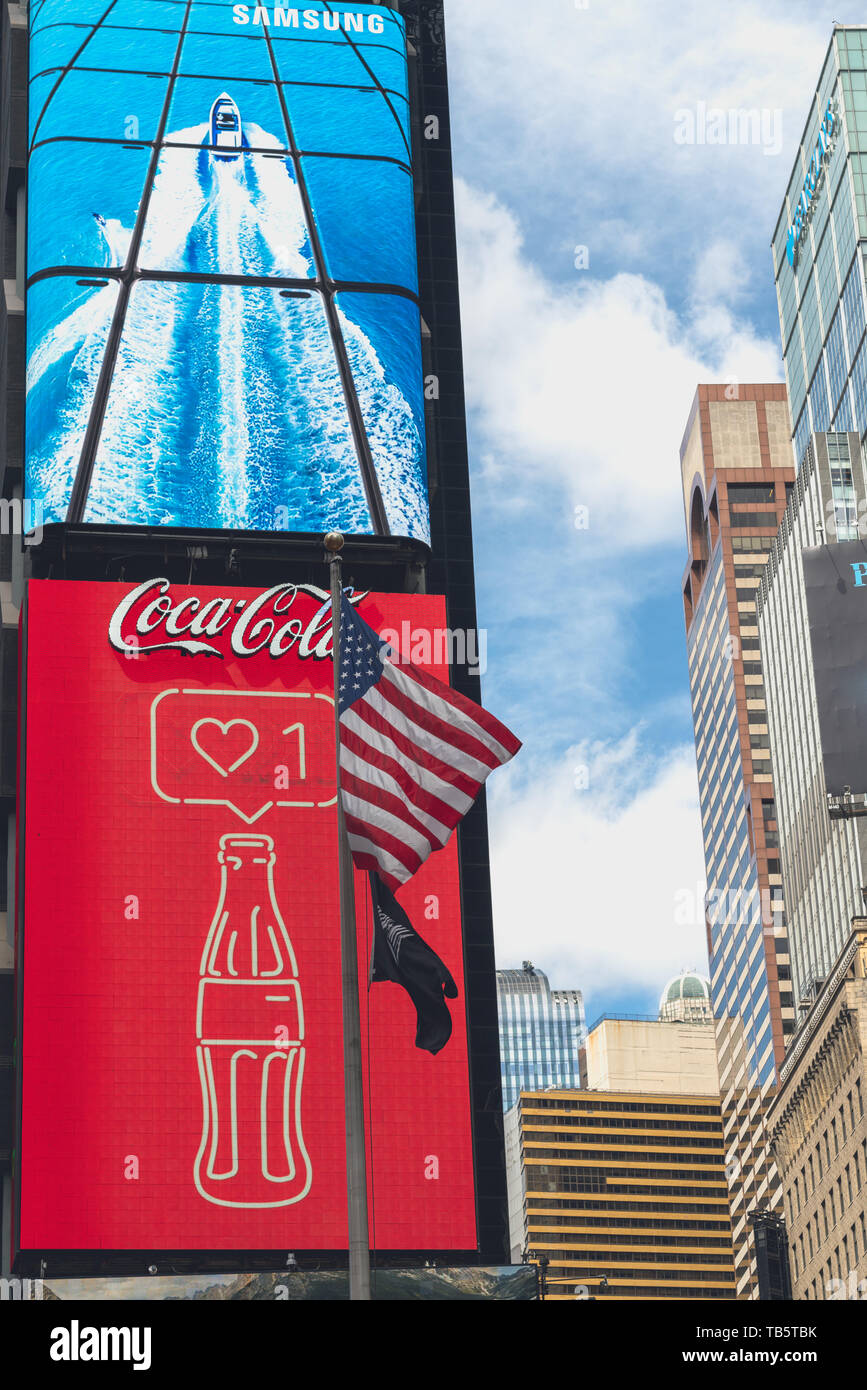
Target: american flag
(414,754)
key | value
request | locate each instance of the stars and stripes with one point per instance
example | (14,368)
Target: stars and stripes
(414,754)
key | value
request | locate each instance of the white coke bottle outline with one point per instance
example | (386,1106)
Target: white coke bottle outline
(234,851)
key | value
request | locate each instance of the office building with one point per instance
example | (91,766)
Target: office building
(818,247)
(542,1031)
(816,1121)
(737,471)
(818,1132)
(820,857)
(652,1054)
(622,1184)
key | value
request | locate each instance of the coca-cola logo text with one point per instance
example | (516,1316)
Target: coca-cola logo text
(249,626)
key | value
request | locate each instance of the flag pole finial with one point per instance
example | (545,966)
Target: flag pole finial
(333,542)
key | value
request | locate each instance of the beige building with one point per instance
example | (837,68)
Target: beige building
(653,1058)
(818,1134)
(675,1054)
(620,1188)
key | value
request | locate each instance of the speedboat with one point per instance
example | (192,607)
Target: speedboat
(226,134)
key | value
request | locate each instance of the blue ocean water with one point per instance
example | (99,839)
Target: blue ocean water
(363,210)
(134,105)
(226,407)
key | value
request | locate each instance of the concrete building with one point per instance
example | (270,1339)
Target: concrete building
(542,1031)
(652,1057)
(737,471)
(818,1131)
(821,858)
(625,1193)
(621,1184)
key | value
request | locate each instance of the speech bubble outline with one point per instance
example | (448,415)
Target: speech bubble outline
(226,801)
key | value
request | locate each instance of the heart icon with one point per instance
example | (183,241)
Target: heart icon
(224,730)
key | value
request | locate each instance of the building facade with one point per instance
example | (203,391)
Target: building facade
(649,1055)
(542,1031)
(621,1185)
(818,250)
(187,556)
(818,1132)
(737,470)
(820,857)
(818,255)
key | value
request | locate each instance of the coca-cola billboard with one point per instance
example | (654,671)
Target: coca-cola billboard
(179,956)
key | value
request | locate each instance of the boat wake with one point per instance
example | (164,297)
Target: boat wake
(226,408)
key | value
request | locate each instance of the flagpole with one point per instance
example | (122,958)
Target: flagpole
(353,1074)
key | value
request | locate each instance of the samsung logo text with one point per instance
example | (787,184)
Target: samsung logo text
(308,19)
(76,1343)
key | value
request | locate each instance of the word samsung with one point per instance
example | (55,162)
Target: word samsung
(308,19)
(250,626)
(815,169)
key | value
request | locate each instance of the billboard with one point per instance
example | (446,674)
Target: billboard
(222,315)
(181,1025)
(513,1283)
(835,577)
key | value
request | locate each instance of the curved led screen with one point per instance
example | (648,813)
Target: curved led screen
(222,316)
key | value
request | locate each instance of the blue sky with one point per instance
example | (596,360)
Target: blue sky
(567,128)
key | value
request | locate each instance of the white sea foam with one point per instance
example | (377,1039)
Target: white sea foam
(226,402)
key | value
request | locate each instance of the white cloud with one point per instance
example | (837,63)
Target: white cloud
(720,275)
(581,396)
(567,97)
(579,383)
(589,387)
(590,883)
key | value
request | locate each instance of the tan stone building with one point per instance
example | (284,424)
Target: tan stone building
(619,1188)
(818,1134)
(671,1054)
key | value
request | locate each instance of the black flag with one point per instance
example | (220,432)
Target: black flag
(400,955)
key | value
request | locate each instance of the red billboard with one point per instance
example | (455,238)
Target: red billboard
(181,1027)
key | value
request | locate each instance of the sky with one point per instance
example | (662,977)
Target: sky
(610,260)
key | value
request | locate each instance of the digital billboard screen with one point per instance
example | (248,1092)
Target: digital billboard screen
(515,1283)
(222,316)
(835,577)
(179,957)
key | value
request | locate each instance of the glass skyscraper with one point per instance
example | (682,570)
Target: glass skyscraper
(737,470)
(818,249)
(821,858)
(541,1033)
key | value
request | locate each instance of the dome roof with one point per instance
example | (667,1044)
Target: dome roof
(688,987)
